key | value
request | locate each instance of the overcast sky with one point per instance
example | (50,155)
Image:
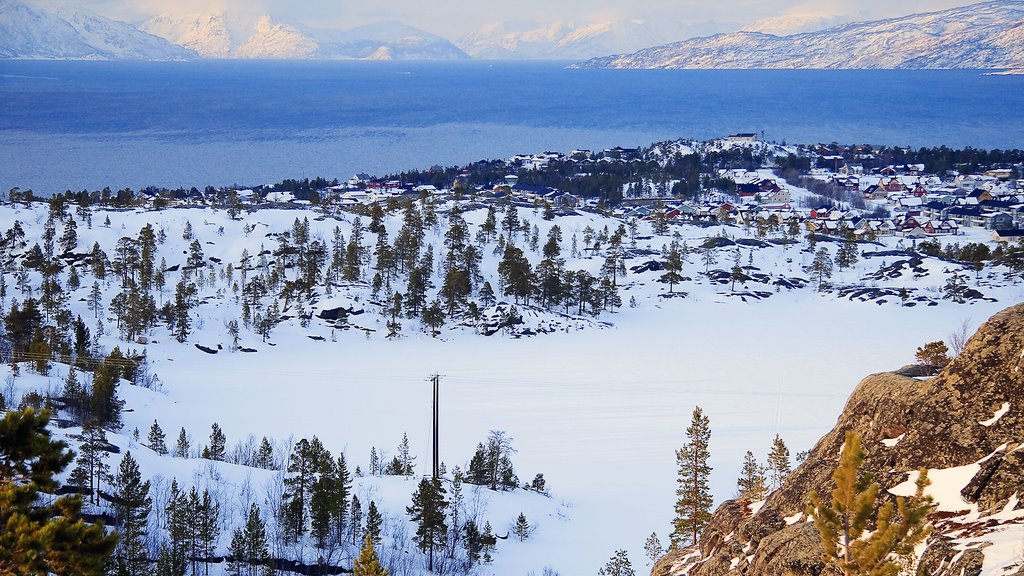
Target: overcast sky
(454,18)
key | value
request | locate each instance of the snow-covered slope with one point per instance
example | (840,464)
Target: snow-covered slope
(598,405)
(985,35)
(384,40)
(32,33)
(207,34)
(558,40)
(279,41)
(224,35)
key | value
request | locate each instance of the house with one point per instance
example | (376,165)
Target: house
(742,137)
(998,220)
(964,215)
(360,178)
(565,200)
(1008,235)
(980,195)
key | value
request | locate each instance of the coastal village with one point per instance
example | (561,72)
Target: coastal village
(873,201)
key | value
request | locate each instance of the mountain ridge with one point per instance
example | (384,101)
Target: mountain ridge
(984,36)
(31,33)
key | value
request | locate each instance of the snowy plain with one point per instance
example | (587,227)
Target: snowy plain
(599,412)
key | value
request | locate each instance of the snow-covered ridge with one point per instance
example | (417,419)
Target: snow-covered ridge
(985,35)
(27,32)
(558,40)
(223,35)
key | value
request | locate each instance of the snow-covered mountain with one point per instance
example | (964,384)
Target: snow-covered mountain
(985,35)
(558,40)
(32,33)
(229,36)
(207,34)
(383,41)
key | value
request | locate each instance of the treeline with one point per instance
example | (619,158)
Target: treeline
(310,515)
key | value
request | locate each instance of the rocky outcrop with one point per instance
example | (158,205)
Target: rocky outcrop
(971,414)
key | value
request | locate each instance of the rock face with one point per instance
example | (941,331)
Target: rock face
(964,425)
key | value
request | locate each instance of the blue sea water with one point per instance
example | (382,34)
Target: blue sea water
(76,125)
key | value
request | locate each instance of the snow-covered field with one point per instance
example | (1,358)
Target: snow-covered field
(598,411)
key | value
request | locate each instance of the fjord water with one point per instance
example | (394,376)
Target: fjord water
(76,125)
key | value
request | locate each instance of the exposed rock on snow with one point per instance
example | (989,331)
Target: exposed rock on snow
(973,468)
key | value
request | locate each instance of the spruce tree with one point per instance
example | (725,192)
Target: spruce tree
(182,449)
(522,529)
(404,456)
(367,563)
(428,511)
(218,444)
(180,520)
(778,462)
(42,537)
(342,487)
(265,455)
(852,543)
(694,499)
(156,439)
(132,504)
(355,517)
(374,523)
(250,555)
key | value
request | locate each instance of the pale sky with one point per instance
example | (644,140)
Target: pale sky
(454,18)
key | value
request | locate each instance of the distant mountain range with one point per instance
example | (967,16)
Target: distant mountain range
(221,36)
(558,40)
(986,35)
(27,32)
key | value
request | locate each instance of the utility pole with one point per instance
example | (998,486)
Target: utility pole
(436,380)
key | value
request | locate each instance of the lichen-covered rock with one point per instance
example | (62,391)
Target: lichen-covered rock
(971,412)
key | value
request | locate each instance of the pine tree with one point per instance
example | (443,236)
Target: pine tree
(38,537)
(367,563)
(694,499)
(522,529)
(618,565)
(843,522)
(821,267)
(778,462)
(751,483)
(250,555)
(207,515)
(652,547)
(156,439)
(91,470)
(673,265)
(428,511)
(132,504)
